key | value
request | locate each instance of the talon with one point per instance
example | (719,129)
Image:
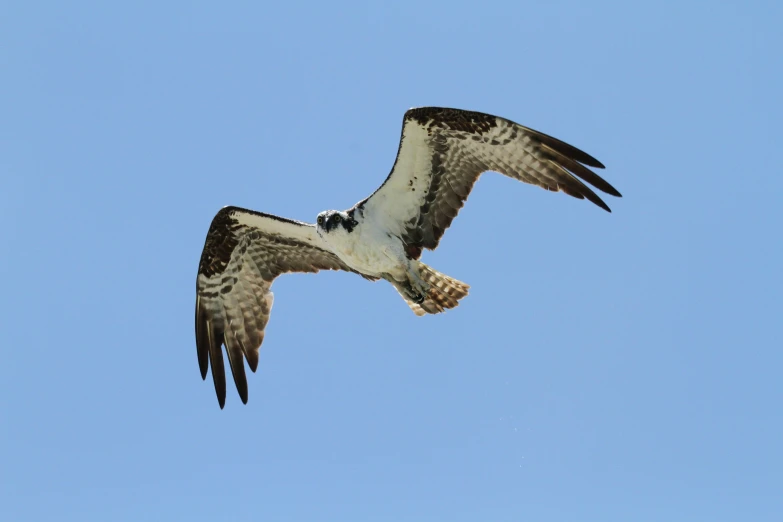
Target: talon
(419,285)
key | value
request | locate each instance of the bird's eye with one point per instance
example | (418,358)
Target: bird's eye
(320,220)
(337,218)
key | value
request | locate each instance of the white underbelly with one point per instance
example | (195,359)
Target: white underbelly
(370,254)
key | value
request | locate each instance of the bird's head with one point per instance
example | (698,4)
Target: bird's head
(335,221)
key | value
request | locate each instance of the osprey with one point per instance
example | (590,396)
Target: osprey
(442,153)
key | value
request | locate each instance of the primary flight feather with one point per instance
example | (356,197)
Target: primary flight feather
(442,153)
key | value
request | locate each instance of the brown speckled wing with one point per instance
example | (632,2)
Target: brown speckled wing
(444,151)
(244,252)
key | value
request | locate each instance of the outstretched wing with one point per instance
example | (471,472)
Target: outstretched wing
(243,254)
(444,151)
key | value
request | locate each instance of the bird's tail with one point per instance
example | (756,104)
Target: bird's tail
(443,292)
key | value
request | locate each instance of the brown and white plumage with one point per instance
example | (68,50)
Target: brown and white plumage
(244,252)
(442,153)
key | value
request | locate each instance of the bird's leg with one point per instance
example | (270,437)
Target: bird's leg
(406,275)
(418,285)
(409,285)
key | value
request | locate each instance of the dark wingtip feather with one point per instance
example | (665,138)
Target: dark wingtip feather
(202,341)
(220,389)
(252,359)
(567,150)
(593,162)
(586,174)
(237,364)
(571,167)
(238,371)
(573,187)
(592,196)
(208,348)
(218,370)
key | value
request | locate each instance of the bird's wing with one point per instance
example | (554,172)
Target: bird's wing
(243,253)
(443,152)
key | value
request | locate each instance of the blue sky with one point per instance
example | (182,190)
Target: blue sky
(610,367)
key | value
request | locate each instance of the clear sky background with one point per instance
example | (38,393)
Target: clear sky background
(605,367)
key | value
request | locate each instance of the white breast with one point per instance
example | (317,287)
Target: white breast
(368,249)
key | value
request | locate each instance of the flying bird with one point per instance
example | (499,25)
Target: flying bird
(442,153)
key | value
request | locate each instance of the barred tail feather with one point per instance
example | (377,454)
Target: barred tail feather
(444,292)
